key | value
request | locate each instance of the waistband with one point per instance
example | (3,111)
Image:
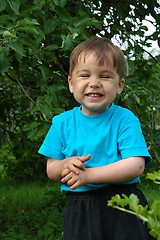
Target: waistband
(110,189)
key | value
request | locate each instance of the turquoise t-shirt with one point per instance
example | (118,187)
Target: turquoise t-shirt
(110,136)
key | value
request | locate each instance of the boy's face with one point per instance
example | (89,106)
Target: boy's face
(94,86)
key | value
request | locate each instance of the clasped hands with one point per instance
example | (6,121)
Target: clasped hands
(74,173)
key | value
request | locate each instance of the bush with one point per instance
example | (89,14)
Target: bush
(21,162)
(31,211)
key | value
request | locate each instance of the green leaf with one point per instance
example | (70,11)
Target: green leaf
(18,47)
(155,176)
(49,26)
(28,29)
(58,111)
(45,72)
(86,21)
(132,201)
(67,42)
(95,23)
(42,130)
(44,109)
(78,21)
(14,4)
(36,129)
(2,5)
(39,3)
(137,99)
(63,14)
(30,126)
(27,21)
(60,3)
(7,34)
(4,60)
(51,47)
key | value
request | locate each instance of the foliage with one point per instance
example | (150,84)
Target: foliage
(155,176)
(36,38)
(14,163)
(141,95)
(131,205)
(33,211)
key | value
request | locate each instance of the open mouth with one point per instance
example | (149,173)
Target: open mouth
(94,95)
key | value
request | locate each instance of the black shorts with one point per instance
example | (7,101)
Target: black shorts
(87,216)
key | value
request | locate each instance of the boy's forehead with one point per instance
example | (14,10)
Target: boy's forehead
(100,59)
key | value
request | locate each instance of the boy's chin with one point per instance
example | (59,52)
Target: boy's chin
(93,111)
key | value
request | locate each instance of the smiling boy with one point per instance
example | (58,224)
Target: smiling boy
(97,150)
(94,86)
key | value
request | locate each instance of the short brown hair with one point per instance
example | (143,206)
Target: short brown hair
(104,49)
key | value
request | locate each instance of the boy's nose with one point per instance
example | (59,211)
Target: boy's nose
(94,83)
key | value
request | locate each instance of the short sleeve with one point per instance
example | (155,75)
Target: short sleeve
(131,142)
(52,144)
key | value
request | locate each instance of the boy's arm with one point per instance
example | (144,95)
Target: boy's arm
(123,170)
(56,167)
(120,171)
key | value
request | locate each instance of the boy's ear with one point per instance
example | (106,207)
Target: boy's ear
(121,86)
(70,84)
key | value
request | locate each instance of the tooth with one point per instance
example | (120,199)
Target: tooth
(94,95)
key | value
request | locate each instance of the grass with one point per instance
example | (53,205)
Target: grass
(31,211)
(16,197)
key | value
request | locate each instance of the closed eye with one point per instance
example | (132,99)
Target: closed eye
(105,76)
(84,76)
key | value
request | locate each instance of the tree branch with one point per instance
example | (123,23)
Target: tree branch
(21,86)
(135,42)
(24,91)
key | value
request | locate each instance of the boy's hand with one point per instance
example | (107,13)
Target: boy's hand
(76,180)
(74,164)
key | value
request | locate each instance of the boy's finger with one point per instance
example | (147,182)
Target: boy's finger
(65,172)
(84,158)
(66,178)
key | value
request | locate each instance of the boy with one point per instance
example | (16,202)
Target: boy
(97,150)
